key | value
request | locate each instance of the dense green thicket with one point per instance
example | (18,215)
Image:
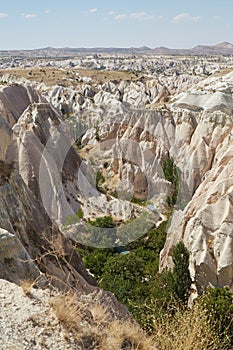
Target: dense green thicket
(134,278)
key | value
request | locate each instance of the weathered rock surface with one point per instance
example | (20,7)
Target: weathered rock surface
(32,247)
(15,99)
(136,125)
(196,131)
(205,225)
(38,319)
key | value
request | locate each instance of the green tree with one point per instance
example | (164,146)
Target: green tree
(171,174)
(181,275)
(122,275)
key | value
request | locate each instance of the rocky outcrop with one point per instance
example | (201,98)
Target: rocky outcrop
(205,225)
(33,318)
(15,99)
(32,248)
(15,263)
(26,221)
(134,126)
(5,137)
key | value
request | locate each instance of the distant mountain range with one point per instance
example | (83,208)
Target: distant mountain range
(224,48)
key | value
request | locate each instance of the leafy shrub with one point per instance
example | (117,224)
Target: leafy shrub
(80,213)
(105,221)
(73,219)
(99,180)
(181,275)
(102,232)
(218,303)
(171,174)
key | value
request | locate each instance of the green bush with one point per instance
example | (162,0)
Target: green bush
(96,259)
(105,221)
(80,213)
(218,303)
(99,180)
(122,275)
(102,232)
(171,174)
(181,275)
(73,219)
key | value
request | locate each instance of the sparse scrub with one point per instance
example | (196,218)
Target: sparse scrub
(100,179)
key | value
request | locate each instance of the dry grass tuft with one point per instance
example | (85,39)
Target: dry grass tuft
(27,286)
(186,330)
(92,326)
(67,311)
(126,336)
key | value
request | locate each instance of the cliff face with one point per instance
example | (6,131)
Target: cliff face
(14,99)
(30,241)
(205,225)
(31,245)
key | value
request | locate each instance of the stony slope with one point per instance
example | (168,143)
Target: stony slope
(44,319)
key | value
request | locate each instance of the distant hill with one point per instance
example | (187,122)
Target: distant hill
(224,48)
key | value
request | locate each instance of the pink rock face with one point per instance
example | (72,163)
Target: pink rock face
(205,225)
(15,99)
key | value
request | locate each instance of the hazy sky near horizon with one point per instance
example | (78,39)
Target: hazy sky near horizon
(27,24)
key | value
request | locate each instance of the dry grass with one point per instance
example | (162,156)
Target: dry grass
(68,78)
(67,311)
(93,327)
(125,335)
(27,286)
(103,76)
(222,72)
(189,330)
(49,76)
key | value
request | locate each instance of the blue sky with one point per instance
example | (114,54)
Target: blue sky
(26,24)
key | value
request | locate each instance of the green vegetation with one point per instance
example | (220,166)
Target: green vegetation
(99,180)
(218,304)
(134,277)
(102,232)
(181,277)
(104,222)
(80,213)
(97,136)
(171,174)
(143,203)
(73,219)
(158,301)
